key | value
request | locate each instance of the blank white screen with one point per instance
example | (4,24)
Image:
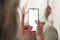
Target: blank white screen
(33,15)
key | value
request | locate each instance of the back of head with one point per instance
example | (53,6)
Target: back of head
(8,21)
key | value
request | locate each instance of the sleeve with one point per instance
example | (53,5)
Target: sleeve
(51,34)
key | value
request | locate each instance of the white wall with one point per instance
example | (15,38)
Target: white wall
(41,4)
(56,15)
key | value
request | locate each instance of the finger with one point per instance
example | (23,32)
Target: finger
(29,29)
(36,22)
(23,10)
(26,27)
(22,22)
(25,5)
(39,21)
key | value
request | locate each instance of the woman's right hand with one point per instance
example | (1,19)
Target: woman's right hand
(39,31)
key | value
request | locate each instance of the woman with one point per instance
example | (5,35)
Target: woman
(8,22)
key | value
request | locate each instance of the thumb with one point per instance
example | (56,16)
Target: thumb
(29,29)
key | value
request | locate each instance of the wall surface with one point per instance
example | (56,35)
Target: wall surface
(56,15)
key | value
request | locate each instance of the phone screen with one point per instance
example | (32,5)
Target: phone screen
(33,15)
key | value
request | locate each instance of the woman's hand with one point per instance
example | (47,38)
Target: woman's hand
(39,31)
(24,30)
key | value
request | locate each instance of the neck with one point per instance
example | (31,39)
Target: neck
(45,18)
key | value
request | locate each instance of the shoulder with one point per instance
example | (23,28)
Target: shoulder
(50,33)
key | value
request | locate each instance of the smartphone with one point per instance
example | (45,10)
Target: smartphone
(33,14)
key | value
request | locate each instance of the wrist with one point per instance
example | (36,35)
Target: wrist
(40,37)
(39,34)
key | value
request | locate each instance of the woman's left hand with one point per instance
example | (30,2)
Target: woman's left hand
(24,30)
